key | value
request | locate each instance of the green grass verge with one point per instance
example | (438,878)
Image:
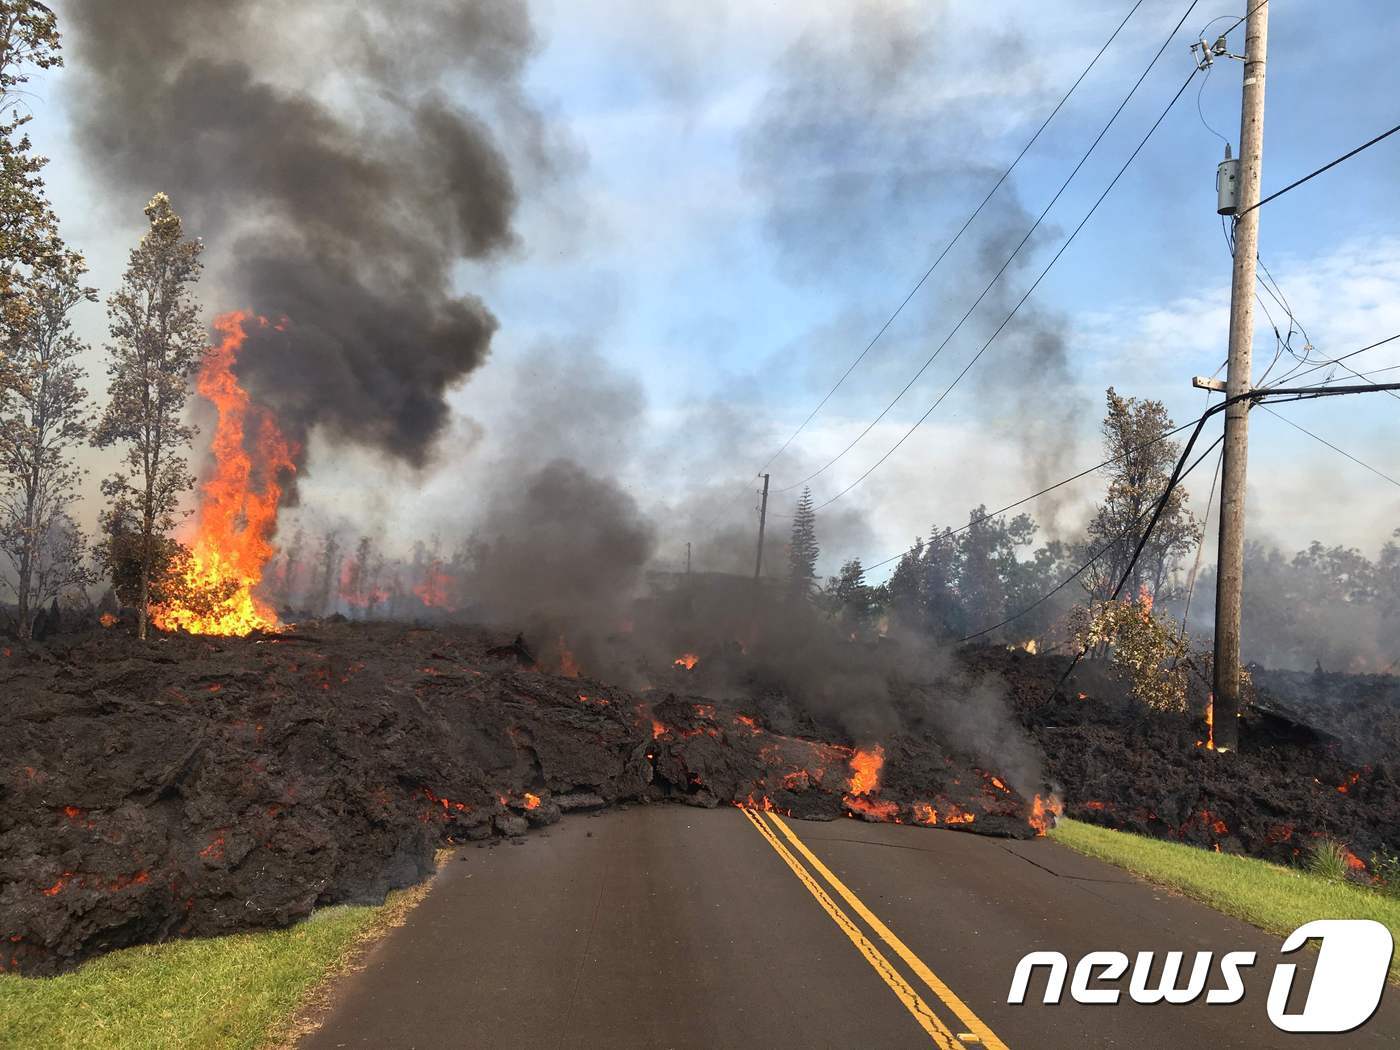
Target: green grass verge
(224,992)
(1274,898)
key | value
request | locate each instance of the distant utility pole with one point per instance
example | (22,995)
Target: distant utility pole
(762,522)
(687,558)
(1238,380)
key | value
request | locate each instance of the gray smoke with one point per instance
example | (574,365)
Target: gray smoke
(347,227)
(869,152)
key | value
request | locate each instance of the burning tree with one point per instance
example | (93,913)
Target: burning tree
(157,342)
(45,416)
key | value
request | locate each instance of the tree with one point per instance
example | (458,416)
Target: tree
(157,341)
(291,564)
(43,419)
(851,599)
(28,39)
(329,573)
(1142,465)
(803,550)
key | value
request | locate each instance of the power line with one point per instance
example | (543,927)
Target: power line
(1334,448)
(1312,175)
(956,237)
(1156,507)
(1016,251)
(1344,357)
(1049,488)
(1035,284)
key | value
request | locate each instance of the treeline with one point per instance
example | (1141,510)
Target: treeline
(989,578)
(157,340)
(1325,607)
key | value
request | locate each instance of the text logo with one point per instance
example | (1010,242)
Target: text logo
(1347,981)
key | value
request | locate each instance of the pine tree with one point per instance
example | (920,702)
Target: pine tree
(157,342)
(851,599)
(40,423)
(803,551)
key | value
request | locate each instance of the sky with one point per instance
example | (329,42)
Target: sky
(745,192)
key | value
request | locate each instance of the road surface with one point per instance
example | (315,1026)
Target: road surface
(670,927)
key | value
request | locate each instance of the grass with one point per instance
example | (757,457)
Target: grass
(1274,898)
(243,991)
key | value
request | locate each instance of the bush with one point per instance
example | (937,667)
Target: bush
(1385,866)
(1145,652)
(1328,860)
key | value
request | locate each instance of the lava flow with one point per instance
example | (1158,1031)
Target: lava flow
(214,593)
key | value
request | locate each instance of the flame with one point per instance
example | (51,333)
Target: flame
(1351,780)
(108,620)
(568,666)
(865,770)
(532,801)
(238,503)
(432,590)
(687,660)
(1045,812)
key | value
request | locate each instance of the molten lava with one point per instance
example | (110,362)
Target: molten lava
(214,592)
(1045,812)
(687,660)
(865,770)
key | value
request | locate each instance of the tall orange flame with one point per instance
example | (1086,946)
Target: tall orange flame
(238,501)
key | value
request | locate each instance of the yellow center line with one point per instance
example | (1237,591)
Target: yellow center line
(926,1018)
(964,1013)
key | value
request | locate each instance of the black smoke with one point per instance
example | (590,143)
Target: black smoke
(342,208)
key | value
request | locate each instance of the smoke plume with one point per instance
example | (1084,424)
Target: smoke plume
(869,151)
(348,227)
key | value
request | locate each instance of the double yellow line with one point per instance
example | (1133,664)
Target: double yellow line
(971,1031)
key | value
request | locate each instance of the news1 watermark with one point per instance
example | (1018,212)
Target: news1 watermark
(1348,979)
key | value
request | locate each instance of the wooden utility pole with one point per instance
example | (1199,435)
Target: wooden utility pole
(687,558)
(762,523)
(1238,380)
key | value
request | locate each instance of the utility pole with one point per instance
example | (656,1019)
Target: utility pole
(687,558)
(762,523)
(1239,380)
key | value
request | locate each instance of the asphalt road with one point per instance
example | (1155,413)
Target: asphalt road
(665,926)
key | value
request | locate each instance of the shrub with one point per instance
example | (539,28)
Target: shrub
(1328,860)
(1385,866)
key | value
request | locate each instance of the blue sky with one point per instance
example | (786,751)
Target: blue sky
(749,190)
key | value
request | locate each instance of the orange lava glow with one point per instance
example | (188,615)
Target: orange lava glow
(1351,780)
(1045,812)
(687,660)
(432,590)
(568,666)
(238,504)
(871,808)
(532,801)
(1354,862)
(658,730)
(108,620)
(865,769)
